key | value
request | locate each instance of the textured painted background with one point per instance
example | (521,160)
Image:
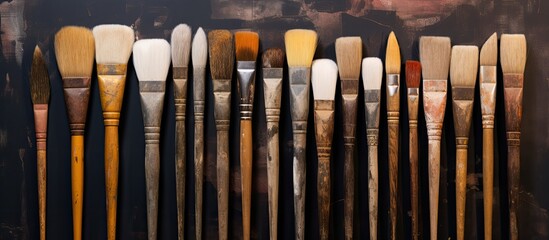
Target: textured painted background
(24,23)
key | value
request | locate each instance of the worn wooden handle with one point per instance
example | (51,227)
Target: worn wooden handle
(199,170)
(324,188)
(223,180)
(349,173)
(42,179)
(246,156)
(513,178)
(152,175)
(77,175)
(373,179)
(488,178)
(299,171)
(461,189)
(393,118)
(272,174)
(414,178)
(180,167)
(434,183)
(111,177)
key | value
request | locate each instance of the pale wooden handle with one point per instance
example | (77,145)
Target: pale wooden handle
(199,172)
(434,183)
(223,182)
(414,177)
(42,180)
(513,178)
(272,176)
(299,171)
(373,179)
(246,159)
(152,174)
(180,167)
(111,177)
(461,189)
(488,179)
(77,175)
(393,170)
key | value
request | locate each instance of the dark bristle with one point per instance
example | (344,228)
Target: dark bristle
(221,47)
(273,58)
(39,79)
(413,74)
(246,46)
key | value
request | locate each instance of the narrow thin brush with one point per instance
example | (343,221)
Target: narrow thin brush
(413,78)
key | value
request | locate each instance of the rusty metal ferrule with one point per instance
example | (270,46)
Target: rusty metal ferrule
(512,94)
(246,80)
(180,92)
(324,122)
(434,105)
(111,80)
(462,106)
(300,81)
(77,95)
(488,84)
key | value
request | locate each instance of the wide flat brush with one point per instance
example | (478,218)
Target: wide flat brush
(151,59)
(488,83)
(300,49)
(221,51)
(40,93)
(463,76)
(372,73)
(434,54)
(113,47)
(513,61)
(181,48)
(349,57)
(324,80)
(74,51)
(200,57)
(273,63)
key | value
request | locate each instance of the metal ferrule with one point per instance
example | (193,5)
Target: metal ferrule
(246,80)
(111,80)
(222,103)
(324,125)
(152,102)
(393,85)
(413,105)
(488,84)
(40,125)
(512,94)
(462,105)
(180,92)
(77,95)
(111,69)
(272,90)
(300,80)
(434,105)
(371,102)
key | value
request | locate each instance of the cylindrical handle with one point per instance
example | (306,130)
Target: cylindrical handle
(414,177)
(488,179)
(199,171)
(111,177)
(323,186)
(349,173)
(299,171)
(434,183)
(373,179)
(393,118)
(152,175)
(223,180)
(77,175)
(461,189)
(513,178)
(42,179)
(180,173)
(272,174)
(246,159)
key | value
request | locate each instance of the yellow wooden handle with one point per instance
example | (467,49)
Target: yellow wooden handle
(488,179)
(111,178)
(246,156)
(434,185)
(461,190)
(41,166)
(77,175)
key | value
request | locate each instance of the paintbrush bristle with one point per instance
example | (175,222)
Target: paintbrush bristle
(246,45)
(300,47)
(74,51)
(39,79)
(181,45)
(221,47)
(434,54)
(349,57)
(489,51)
(200,49)
(372,73)
(392,55)
(513,53)
(151,59)
(273,58)
(464,66)
(413,74)
(113,43)
(324,79)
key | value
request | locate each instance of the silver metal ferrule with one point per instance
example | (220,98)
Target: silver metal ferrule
(371,101)
(300,81)
(246,80)
(393,84)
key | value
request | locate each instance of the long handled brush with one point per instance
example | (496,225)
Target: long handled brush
(413,78)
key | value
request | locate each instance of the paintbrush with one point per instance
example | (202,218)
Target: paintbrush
(324,80)
(463,76)
(434,54)
(513,61)
(74,51)
(273,63)
(488,83)
(151,59)
(40,93)
(349,57)
(372,73)
(392,70)
(113,47)
(413,78)
(200,56)
(181,48)
(300,49)
(221,47)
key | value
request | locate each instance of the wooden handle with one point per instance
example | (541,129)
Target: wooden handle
(434,183)
(246,159)
(77,175)
(513,178)
(180,167)
(299,171)
(488,178)
(373,179)
(323,185)
(198,170)
(272,174)
(111,177)
(152,175)
(414,177)
(349,173)
(223,180)
(393,118)
(461,189)
(42,179)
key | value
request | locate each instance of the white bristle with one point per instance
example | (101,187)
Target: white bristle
(151,59)
(181,45)
(113,43)
(372,73)
(324,79)
(200,49)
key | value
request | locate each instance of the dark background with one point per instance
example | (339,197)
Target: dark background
(25,23)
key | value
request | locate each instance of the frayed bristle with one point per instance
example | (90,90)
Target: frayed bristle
(181,45)
(273,58)
(151,59)
(39,79)
(113,43)
(246,45)
(434,54)
(464,66)
(300,47)
(413,74)
(200,49)
(324,79)
(392,55)
(74,51)
(489,51)
(513,53)
(349,57)
(221,47)
(372,73)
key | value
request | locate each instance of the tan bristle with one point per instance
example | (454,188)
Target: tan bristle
(113,43)
(74,51)
(392,55)
(200,49)
(221,47)
(413,74)
(181,45)
(246,45)
(513,53)
(372,73)
(300,47)
(39,79)
(151,59)
(349,57)
(489,51)
(324,79)
(464,66)
(434,54)
(273,58)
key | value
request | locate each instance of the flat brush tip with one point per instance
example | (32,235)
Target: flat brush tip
(489,51)
(221,46)
(246,45)
(464,66)
(151,59)
(273,58)
(513,53)
(413,74)
(74,51)
(113,43)
(392,56)
(324,79)
(349,57)
(434,54)
(39,79)
(372,73)
(300,47)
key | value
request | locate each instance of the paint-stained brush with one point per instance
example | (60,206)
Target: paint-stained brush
(200,56)
(372,73)
(40,93)
(488,83)
(300,49)
(181,48)
(221,51)
(463,76)
(151,59)
(413,78)
(273,63)
(434,54)
(349,58)
(513,61)
(75,51)
(324,80)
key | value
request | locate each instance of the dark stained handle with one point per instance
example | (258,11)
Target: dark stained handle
(373,180)
(349,173)
(393,118)
(152,172)
(324,189)
(513,178)
(180,156)
(414,177)
(223,180)
(199,168)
